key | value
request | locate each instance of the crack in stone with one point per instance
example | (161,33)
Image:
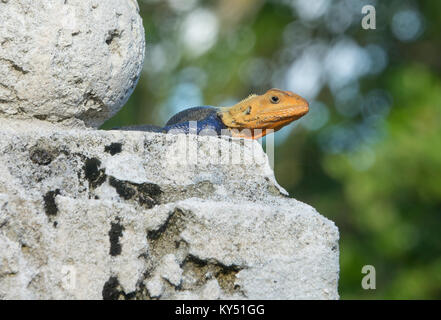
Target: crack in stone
(113,148)
(166,239)
(146,194)
(50,206)
(116,232)
(206,270)
(15,66)
(112,290)
(93,173)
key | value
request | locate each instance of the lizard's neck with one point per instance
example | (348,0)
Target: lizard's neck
(229,115)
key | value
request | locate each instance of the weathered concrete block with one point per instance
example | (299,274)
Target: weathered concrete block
(88,214)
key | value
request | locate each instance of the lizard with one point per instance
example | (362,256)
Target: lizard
(251,118)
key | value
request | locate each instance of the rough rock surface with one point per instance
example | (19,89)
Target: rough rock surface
(68,60)
(88,214)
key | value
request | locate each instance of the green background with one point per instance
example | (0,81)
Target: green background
(367,156)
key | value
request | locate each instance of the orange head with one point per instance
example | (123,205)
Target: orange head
(272,110)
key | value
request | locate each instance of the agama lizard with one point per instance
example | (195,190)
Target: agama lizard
(251,118)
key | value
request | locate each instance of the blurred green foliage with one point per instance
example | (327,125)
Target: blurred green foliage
(369,160)
(395,204)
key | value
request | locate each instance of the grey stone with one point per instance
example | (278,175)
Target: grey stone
(150,221)
(75,61)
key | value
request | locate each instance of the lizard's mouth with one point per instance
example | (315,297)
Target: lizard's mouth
(271,121)
(284,115)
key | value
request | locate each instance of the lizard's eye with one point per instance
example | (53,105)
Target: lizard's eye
(275,99)
(248,110)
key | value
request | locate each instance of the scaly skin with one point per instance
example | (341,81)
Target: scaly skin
(252,118)
(272,110)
